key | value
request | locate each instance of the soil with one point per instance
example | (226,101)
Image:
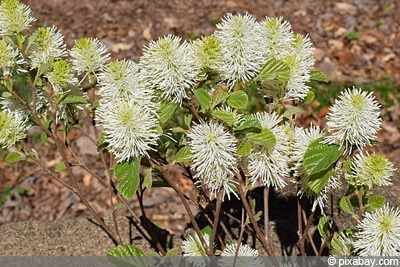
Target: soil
(355,41)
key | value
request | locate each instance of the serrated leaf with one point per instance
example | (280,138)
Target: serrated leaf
(309,97)
(376,202)
(166,111)
(127,255)
(317,181)
(204,98)
(244,149)
(219,98)
(323,224)
(60,167)
(317,75)
(184,155)
(15,157)
(225,116)
(275,69)
(248,122)
(73,99)
(265,138)
(128,172)
(319,157)
(238,100)
(345,205)
(292,111)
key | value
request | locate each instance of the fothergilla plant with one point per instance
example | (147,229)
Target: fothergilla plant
(222,107)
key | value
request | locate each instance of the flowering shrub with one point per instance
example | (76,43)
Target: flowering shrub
(222,106)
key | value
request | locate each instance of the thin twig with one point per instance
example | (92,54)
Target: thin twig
(314,247)
(217,214)
(250,214)
(305,232)
(146,222)
(266,212)
(239,241)
(300,226)
(166,176)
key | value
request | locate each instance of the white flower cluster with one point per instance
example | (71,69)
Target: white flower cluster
(15,17)
(379,233)
(47,47)
(240,254)
(214,156)
(303,138)
(9,57)
(12,128)
(354,119)
(127,112)
(269,165)
(246,45)
(170,67)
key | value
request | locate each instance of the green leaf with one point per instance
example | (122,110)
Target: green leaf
(31,39)
(317,181)
(166,111)
(248,122)
(43,137)
(127,255)
(73,99)
(184,155)
(187,118)
(10,41)
(126,250)
(292,111)
(172,252)
(345,205)
(119,206)
(128,172)
(225,116)
(60,167)
(33,153)
(148,179)
(244,149)
(238,100)
(258,215)
(275,69)
(204,99)
(336,242)
(319,157)
(375,202)
(219,98)
(265,138)
(206,230)
(309,97)
(15,157)
(323,224)
(317,75)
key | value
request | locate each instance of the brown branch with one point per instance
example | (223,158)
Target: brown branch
(167,178)
(217,214)
(250,214)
